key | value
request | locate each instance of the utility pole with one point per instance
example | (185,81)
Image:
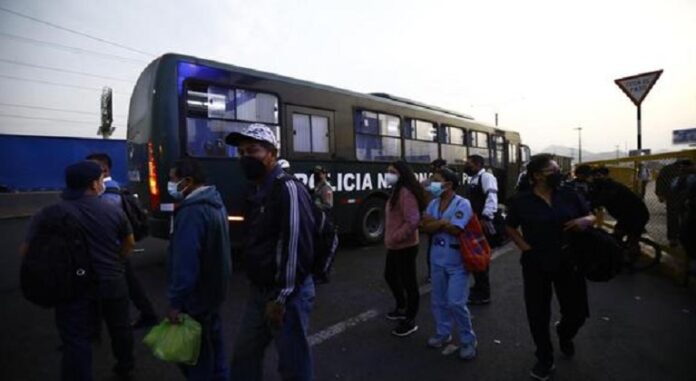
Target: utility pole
(496,119)
(579,143)
(617,151)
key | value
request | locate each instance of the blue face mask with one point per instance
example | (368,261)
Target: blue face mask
(435,188)
(173,189)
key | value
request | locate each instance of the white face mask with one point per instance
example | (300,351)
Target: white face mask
(173,189)
(391,178)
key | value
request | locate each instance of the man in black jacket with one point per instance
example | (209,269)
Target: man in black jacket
(626,207)
(279,251)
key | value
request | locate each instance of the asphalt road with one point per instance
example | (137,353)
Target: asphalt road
(642,328)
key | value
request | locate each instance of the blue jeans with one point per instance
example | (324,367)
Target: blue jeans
(449,297)
(212,360)
(294,357)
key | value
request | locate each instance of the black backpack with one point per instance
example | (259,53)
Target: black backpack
(325,240)
(597,254)
(137,216)
(57,266)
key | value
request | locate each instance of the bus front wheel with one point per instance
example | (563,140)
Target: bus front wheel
(370,227)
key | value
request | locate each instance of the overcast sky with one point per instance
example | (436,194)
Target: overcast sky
(544,66)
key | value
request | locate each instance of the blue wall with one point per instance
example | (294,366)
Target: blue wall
(37,163)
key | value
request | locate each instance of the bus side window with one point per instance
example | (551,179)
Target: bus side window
(478,145)
(453,144)
(420,145)
(377,136)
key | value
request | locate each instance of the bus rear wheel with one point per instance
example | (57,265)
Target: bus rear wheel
(370,229)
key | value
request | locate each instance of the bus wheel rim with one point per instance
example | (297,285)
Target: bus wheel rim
(373,223)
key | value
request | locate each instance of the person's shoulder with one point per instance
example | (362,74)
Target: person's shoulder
(521,196)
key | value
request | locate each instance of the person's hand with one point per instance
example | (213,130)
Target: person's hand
(426,219)
(487,225)
(579,224)
(274,313)
(173,316)
(442,224)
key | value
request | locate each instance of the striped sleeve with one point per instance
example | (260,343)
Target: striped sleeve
(287,246)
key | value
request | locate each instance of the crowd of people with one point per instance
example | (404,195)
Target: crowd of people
(279,244)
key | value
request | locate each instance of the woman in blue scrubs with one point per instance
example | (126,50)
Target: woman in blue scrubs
(446,216)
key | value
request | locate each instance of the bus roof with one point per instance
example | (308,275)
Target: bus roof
(381,97)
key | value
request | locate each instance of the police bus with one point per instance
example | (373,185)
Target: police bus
(183,105)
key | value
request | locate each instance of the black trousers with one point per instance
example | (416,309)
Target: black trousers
(482,284)
(400,274)
(78,323)
(571,292)
(137,294)
(673,218)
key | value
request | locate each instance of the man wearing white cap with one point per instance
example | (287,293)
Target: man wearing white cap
(279,251)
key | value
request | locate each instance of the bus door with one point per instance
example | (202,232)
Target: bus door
(309,137)
(498,162)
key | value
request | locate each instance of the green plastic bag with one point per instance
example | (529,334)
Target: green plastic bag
(179,343)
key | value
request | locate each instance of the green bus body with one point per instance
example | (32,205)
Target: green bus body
(168,108)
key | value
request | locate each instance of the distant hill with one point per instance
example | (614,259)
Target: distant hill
(586,155)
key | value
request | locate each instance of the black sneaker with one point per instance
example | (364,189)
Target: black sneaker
(567,347)
(542,371)
(479,300)
(397,314)
(405,328)
(145,322)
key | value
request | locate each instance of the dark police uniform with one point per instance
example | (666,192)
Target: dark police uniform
(548,264)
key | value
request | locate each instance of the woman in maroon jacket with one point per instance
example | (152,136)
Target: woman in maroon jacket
(403,212)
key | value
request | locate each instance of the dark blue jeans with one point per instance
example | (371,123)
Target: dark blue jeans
(78,323)
(212,360)
(294,357)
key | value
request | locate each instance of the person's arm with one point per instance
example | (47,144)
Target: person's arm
(125,233)
(512,224)
(411,215)
(327,196)
(127,246)
(516,237)
(461,218)
(429,224)
(184,267)
(489,184)
(289,239)
(581,223)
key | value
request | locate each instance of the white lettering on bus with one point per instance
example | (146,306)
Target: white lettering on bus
(381,180)
(346,186)
(367,182)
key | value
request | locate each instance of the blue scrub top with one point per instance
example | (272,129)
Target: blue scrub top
(458,212)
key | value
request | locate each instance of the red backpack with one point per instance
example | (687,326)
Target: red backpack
(473,246)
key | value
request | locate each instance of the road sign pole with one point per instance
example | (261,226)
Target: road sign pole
(640,145)
(636,88)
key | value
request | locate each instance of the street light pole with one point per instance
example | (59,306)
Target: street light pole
(579,143)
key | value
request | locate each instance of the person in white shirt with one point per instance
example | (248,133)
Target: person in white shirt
(482,192)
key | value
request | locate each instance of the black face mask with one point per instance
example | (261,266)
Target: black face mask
(554,180)
(253,168)
(469,170)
